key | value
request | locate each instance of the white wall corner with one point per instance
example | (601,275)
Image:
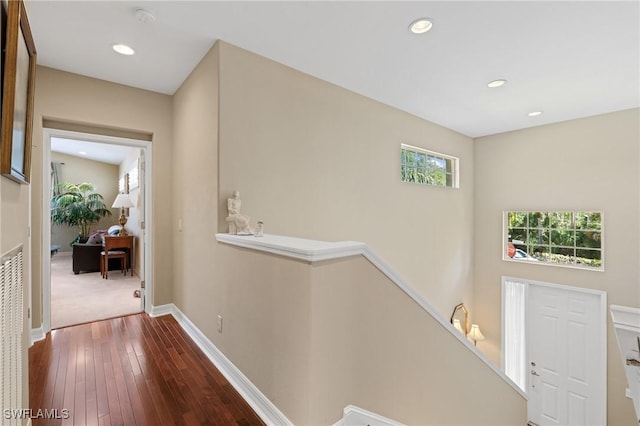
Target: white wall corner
(263,407)
(37,334)
(160,310)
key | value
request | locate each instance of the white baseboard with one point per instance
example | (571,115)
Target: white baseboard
(158,311)
(264,408)
(356,416)
(37,334)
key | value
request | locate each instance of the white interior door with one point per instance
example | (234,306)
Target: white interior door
(566,341)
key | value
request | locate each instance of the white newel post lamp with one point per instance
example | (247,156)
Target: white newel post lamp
(122,202)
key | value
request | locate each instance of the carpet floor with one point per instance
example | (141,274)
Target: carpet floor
(76,299)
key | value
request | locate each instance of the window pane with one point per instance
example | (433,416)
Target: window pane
(410,158)
(560,220)
(449,179)
(538,220)
(562,238)
(517,219)
(518,235)
(588,220)
(540,252)
(421,166)
(588,239)
(589,257)
(538,236)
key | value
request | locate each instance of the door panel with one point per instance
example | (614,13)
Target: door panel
(565,338)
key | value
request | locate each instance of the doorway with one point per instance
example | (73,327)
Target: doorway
(143,282)
(554,348)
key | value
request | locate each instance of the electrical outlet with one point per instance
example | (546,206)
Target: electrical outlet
(219,323)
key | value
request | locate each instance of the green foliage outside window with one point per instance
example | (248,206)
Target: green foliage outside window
(567,238)
(425,168)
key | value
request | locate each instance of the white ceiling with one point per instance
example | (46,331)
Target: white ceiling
(106,153)
(569,59)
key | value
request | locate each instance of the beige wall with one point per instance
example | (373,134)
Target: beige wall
(316,338)
(276,140)
(374,347)
(314,160)
(586,164)
(195,189)
(65,97)
(103,176)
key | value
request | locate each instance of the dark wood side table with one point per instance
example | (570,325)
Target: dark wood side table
(112,242)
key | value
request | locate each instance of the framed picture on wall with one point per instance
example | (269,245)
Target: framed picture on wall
(18,81)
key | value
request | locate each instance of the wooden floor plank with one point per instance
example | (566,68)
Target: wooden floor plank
(134,370)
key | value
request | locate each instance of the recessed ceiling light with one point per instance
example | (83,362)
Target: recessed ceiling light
(534,113)
(123,49)
(421,26)
(82,153)
(497,83)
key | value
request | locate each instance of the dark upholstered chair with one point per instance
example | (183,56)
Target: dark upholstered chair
(86,258)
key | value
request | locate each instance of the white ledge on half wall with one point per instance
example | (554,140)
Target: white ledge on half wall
(297,248)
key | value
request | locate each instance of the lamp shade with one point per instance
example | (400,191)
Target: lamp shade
(122,201)
(457,325)
(475,333)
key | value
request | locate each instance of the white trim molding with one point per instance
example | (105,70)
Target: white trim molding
(158,311)
(625,316)
(37,334)
(296,248)
(263,407)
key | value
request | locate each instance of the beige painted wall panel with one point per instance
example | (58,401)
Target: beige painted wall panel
(264,300)
(587,164)
(103,176)
(374,347)
(314,160)
(195,185)
(67,97)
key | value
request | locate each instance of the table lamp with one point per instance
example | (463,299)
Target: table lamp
(122,201)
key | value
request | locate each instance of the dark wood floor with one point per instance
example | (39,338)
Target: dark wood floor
(133,370)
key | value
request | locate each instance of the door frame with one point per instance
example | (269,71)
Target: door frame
(45,272)
(602,318)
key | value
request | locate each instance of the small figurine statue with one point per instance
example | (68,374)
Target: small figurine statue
(238,223)
(259,229)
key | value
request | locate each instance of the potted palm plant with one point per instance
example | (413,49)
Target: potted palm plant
(78,205)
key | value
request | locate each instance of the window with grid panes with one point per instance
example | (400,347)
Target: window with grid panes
(562,238)
(418,165)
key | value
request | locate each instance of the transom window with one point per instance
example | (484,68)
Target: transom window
(559,238)
(427,167)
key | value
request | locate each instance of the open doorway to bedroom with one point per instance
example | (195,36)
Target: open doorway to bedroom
(83,281)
